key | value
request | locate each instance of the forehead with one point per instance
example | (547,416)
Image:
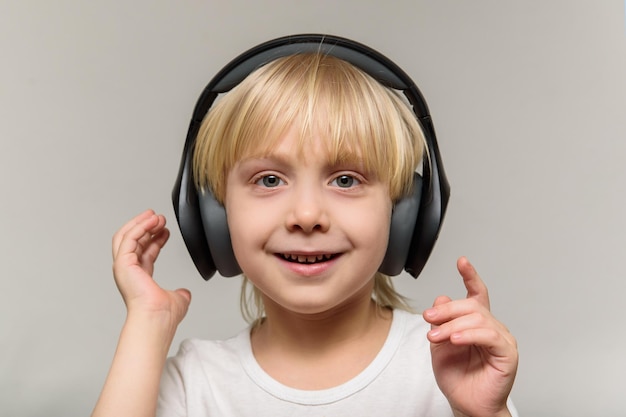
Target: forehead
(297,144)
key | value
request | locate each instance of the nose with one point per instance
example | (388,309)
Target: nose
(308,212)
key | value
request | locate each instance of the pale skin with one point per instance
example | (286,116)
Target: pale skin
(474,356)
(321,327)
(153,314)
(289,205)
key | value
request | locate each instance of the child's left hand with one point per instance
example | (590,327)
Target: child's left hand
(474,355)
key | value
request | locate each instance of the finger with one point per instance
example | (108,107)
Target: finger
(152,250)
(475,286)
(476,320)
(134,240)
(119,235)
(430,313)
(150,234)
(492,340)
(452,310)
(442,299)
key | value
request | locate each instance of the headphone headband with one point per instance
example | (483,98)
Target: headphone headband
(434,194)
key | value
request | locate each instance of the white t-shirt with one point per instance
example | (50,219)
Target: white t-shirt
(222,378)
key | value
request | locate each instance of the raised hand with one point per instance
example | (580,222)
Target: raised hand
(136,246)
(474,356)
(131,388)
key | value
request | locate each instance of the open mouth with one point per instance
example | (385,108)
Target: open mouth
(306,259)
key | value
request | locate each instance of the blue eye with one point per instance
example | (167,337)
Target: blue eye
(345,181)
(269,181)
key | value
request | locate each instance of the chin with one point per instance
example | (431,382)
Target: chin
(309,303)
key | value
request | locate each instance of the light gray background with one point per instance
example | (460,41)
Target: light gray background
(529,102)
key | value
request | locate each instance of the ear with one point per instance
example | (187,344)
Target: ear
(401,230)
(216,231)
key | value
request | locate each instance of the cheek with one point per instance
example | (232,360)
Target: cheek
(238,224)
(370,225)
(381,223)
(249,229)
(241,228)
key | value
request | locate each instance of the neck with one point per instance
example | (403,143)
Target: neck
(345,322)
(315,351)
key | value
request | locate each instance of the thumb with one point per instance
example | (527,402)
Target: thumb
(183,299)
(185,294)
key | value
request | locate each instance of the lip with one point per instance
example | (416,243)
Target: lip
(307,264)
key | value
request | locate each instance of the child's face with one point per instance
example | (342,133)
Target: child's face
(308,235)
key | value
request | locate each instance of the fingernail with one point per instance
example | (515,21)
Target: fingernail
(434,332)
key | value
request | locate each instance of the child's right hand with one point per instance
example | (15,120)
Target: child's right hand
(153,316)
(136,247)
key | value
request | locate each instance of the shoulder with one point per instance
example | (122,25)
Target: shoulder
(407,338)
(412,357)
(212,350)
(413,325)
(200,367)
(196,357)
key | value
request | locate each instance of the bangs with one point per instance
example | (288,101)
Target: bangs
(335,107)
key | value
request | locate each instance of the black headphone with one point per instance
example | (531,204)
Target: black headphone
(416,218)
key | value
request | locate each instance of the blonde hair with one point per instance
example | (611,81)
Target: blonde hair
(359,119)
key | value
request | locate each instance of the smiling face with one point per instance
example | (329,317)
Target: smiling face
(309,232)
(307,154)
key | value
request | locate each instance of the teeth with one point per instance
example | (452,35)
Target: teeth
(306,259)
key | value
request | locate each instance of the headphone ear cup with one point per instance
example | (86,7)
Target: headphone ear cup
(401,229)
(185,199)
(428,225)
(217,234)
